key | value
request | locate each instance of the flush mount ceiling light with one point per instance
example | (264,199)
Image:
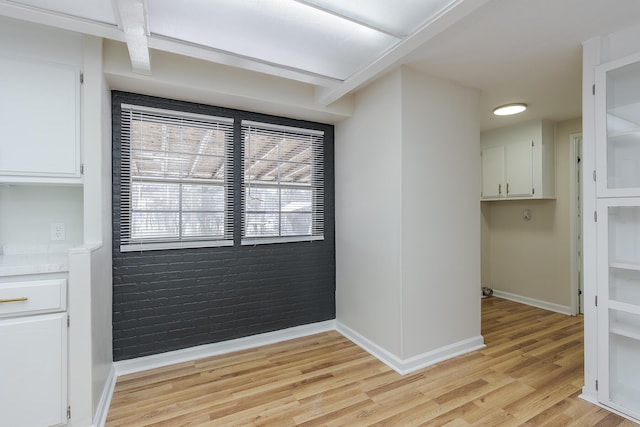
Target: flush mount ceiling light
(509,109)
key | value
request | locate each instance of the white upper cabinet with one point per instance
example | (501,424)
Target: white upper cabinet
(40,121)
(493,172)
(518,162)
(518,169)
(618,128)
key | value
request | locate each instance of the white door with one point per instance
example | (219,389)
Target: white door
(518,169)
(33,371)
(618,128)
(493,173)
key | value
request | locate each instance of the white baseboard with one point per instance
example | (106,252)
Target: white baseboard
(562,309)
(406,366)
(593,399)
(100,417)
(139,364)
(588,397)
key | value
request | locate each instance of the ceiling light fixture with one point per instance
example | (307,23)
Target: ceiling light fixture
(509,109)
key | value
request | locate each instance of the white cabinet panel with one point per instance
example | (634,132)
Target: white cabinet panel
(33,370)
(492,172)
(518,169)
(40,121)
(32,297)
(618,128)
(619,303)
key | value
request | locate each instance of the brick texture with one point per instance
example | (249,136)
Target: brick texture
(173,299)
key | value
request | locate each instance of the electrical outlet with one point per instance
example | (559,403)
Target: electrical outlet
(58,231)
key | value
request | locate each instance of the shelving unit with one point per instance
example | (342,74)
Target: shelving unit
(618,231)
(625,266)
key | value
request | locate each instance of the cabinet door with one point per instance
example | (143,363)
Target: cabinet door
(518,169)
(618,128)
(619,304)
(39,117)
(33,371)
(493,173)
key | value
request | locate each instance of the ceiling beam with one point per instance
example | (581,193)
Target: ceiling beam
(351,19)
(133,20)
(393,58)
(59,20)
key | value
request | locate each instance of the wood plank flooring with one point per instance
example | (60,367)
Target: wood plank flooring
(529,374)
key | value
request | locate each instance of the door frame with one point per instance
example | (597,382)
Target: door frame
(575,223)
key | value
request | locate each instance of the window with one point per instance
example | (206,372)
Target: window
(283,190)
(176,179)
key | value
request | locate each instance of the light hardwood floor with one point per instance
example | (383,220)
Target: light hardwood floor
(529,374)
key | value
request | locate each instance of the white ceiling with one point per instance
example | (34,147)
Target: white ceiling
(524,51)
(511,50)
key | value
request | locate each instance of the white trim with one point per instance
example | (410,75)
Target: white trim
(134,108)
(412,364)
(441,21)
(402,366)
(562,309)
(252,241)
(574,224)
(100,417)
(283,128)
(139,364)
(140,247)
(591,399)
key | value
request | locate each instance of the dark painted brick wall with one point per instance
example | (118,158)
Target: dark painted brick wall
(173,299)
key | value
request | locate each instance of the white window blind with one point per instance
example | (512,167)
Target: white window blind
(283,190)
(176,183)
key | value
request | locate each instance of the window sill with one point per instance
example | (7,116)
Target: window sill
(141,247)
(252,241)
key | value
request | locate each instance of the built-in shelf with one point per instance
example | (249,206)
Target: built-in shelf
(626,136)
(625,307)
(625,266)
(625,329)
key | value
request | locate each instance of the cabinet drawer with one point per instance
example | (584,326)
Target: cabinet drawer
(37,296)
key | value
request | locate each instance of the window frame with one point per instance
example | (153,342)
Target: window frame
(316,185)
(235,180)
(127,242)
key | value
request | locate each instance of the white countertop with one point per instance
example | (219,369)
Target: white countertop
(14,263)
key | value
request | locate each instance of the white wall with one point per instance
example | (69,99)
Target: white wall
(408,221)
(368,214)
(440,213)
(531,260)
(27,211)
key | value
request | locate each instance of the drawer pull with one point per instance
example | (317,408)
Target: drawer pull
(21,299)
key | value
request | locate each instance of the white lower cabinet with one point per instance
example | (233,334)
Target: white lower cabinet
(619,304)
(33,371)
(33,353)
